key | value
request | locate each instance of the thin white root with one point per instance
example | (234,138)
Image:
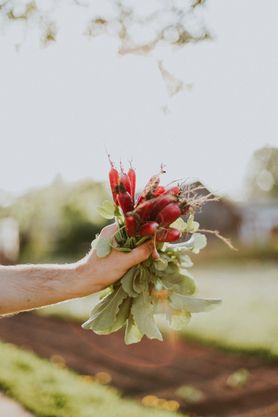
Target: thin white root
(219,236)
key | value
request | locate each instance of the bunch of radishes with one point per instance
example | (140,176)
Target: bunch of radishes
(155,209)
(161,284)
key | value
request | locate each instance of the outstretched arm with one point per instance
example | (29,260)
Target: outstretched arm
(25,287)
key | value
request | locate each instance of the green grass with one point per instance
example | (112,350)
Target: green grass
(246,319)
(49,391)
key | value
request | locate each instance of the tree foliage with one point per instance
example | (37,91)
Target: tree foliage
(57,221)
(139,26)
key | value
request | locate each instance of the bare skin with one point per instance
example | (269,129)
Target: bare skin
(25,287)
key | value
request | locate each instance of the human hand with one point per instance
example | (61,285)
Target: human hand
(97,273)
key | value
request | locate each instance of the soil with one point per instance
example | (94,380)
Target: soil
(152,367)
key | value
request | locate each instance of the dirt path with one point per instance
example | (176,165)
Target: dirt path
(153,367)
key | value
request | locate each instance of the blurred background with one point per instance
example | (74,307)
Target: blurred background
(191,84)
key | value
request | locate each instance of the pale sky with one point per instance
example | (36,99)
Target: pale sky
(61,105)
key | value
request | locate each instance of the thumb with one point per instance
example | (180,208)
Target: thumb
(139,254)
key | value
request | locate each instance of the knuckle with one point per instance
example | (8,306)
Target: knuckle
(108,230)
(145,250)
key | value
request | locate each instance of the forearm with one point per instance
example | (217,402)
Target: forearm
(24,287)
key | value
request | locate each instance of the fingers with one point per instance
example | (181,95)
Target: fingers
(139,254)
(109,231)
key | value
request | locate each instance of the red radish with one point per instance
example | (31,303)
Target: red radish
(148,229)
(160,190)
(125,201)
(174,190)
(132,178)
(114,183)
(144,210)
(169,214)
(160,203)
(147,192)
(125,182)
(130,222)
(168,235)
(140,199)
(151,186)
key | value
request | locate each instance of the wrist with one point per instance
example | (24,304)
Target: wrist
(84,277)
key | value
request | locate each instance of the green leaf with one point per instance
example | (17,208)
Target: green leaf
(191,225)
(103,300)
(107,209)
(104,315)
(119,321)
(103,246)
(160,246)
(191,304)
(141,279)
(172,268)
(178,319)
(197,242)
(94,242)
(179,224)
(127,281)
(185,261)
(132,332)
(179,283)
(142,310)
(161,264)
(122,315)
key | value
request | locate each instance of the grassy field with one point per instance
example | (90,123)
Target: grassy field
(49,391)
(246,319)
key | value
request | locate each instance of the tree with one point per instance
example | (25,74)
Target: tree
(139,25)
(262,174)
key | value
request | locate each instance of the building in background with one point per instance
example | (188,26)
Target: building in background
(253,223)
(223,215)
(259,222)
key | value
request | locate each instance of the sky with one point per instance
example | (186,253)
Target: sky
(62,106)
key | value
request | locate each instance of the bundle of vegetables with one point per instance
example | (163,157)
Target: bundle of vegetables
(162,283)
